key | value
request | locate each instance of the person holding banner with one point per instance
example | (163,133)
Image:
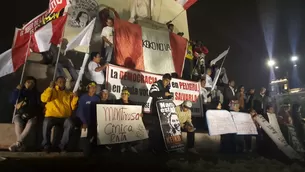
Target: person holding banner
(184,114)
(96,73)
(107,36)
(124,100)
(158,91)
(27,110)
(86,116)
(58,109)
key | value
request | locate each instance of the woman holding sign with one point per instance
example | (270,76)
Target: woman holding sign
(124,100)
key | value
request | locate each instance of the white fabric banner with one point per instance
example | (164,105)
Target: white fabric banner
(277,138)
(156,49)
(220,122)
(139,84)
(244,123)
(119,124)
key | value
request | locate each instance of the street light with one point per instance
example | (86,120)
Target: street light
(294,58)
(276,67)
(295,65)
(271,63)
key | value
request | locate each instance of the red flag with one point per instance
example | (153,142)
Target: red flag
(186,3)
(15,57)
(148,50)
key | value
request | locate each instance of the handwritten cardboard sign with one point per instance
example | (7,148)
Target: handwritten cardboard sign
(119,124)
(244,123)
(278,138)
(220,122)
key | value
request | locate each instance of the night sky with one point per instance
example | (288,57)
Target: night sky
(219,24)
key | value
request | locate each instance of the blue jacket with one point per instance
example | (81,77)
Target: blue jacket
(86,109)
(31,97)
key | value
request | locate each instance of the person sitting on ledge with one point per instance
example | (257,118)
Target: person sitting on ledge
(59,106)
(27,104)
(184,114)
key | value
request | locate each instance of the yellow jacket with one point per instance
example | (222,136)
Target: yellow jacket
(59,103)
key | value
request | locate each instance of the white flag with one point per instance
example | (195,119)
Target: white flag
(214,61)
(83,38)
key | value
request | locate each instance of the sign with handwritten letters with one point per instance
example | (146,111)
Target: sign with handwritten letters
(119,124)
(170,124)
(278,138)
(244,123)
(220,122)
(294,139)
(139,84)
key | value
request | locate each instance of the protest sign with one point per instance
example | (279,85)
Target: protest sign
(294,139)
(119,124)
(139,83)
(220,122)
(170,124)
(244,123)
(278,138)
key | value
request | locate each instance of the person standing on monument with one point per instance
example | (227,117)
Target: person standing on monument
(107,37)
(158,91)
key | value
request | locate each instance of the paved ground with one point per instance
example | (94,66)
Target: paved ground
(104,162)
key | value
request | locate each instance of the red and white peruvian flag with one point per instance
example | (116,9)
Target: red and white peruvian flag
(186,3)
(147,49)
(49,33)
(15,57)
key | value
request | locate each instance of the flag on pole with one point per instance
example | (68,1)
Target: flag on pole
(186,3)
(15,57)
(83,38)
(214,61)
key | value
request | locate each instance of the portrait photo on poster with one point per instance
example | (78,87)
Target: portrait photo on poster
(82,12)
(174,124)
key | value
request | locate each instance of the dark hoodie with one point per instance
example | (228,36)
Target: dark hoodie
(157,92)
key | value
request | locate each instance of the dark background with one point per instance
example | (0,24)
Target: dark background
(219,24)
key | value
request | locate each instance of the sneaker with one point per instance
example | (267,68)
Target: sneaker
(108,148)
(46,149)
(180,151)
(193,150)
(15,147)
(133,149)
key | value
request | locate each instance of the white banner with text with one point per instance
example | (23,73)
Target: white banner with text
(139,83)
(119,124)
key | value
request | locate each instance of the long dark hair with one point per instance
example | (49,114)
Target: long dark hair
(80,14)
(297,123)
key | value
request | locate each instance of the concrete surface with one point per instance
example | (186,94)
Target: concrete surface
(203,141)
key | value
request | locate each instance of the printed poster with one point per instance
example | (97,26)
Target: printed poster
(170,124)
(119,124)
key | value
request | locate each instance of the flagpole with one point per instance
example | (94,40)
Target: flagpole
(176,16)
(217,77)
(22,75)
(60,46)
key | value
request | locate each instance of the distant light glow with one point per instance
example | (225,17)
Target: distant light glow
(294,58)
(271,63)
(276,67)
(295,65)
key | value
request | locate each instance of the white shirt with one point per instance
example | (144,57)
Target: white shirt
(209,81)
(204,94)
(98,77)
(232,89)
(273,122)
(108,33)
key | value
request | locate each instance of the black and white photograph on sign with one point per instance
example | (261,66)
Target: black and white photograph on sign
(170,125)
(82,12)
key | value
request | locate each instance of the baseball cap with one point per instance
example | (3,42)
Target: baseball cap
(105,91)
(187,104)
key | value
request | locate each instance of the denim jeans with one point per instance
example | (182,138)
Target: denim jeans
(190,139)
(65,123)
(109,54)
(69,67)
(22,127)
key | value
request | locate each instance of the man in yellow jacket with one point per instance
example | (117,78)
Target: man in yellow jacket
(59,106)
